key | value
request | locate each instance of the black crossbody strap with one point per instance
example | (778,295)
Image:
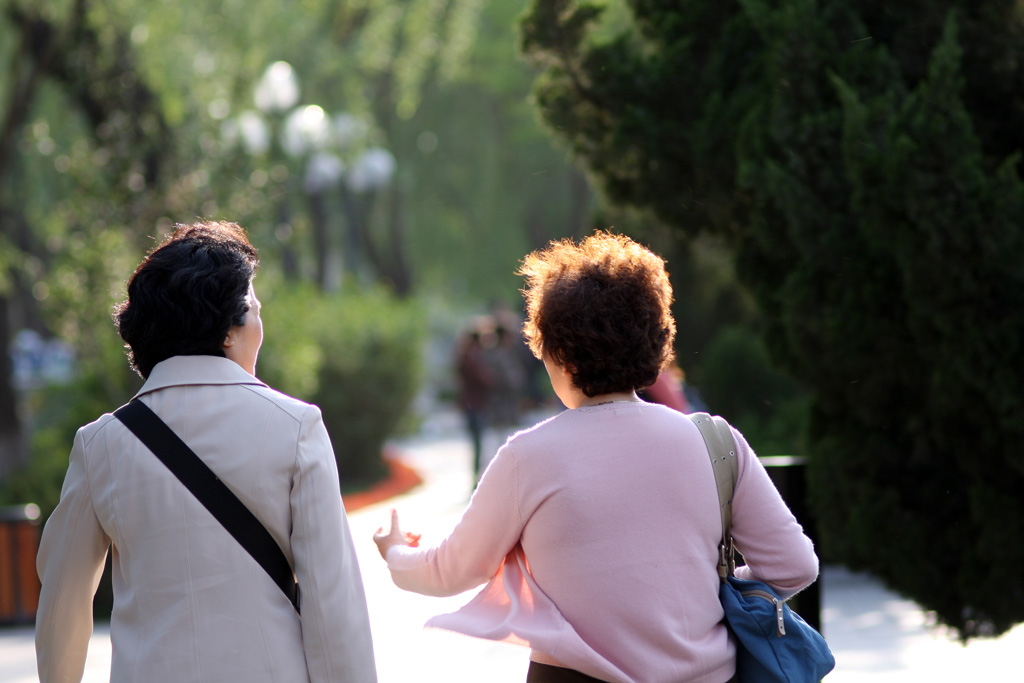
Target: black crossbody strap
(211,492)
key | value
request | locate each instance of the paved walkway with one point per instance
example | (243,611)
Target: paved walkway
(875,635)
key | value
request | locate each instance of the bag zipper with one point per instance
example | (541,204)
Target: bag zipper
(778,607)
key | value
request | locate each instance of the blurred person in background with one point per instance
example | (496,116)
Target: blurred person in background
(671,389)
(503,357)
(475,382)
(597,531)
(190,603)
(668,390)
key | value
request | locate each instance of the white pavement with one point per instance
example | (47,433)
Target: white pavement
(876,635)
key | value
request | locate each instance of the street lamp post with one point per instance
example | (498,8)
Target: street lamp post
(305,135)
(275,94)
(368,175)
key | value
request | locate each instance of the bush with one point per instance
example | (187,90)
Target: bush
(57,412)
(357,355)
(739,382)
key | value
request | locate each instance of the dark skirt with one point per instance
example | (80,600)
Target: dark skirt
(545,673)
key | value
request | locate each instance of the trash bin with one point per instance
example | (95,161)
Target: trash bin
(19,583)
(789,474)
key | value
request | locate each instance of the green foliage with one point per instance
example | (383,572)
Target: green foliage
(861,160)
(57,413)
(739,382)
(39,481)
(491,186)
(356,354)
(125,132)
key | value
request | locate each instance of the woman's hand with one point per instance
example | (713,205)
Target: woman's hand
(394,537)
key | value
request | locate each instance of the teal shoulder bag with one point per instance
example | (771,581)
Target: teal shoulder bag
(773,644)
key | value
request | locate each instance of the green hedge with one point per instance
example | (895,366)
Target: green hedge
(356,354)
(55,414)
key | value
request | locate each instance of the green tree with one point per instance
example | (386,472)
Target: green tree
(485,184)
(103,139)
(69,182)
(862,160)
(117,125)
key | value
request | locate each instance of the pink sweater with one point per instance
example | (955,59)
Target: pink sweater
(597,531)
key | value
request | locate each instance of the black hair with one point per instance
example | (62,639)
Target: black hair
(186,294)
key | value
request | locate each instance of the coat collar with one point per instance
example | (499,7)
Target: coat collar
(182,370)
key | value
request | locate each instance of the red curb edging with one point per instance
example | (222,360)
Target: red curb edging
(401,479)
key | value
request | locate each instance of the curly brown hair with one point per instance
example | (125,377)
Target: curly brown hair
(600,308)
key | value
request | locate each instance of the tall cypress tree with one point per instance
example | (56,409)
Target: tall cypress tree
(863,161)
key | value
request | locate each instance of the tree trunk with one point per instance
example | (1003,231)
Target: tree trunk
(580,203)
(321,240)
(289,260)
(12,442)
(401,278)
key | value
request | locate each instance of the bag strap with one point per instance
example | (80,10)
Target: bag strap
(722,450)
(211,492)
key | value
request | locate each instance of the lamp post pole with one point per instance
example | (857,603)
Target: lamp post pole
(275,94)
(372,172)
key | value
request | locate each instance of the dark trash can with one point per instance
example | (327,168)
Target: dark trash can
(19,582)
(789,474)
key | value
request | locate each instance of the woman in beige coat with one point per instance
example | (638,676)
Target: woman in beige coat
(190,604)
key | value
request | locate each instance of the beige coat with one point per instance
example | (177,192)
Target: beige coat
(190,604)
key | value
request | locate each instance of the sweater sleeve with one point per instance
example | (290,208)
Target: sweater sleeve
(335,622)
(475,549)
(72,552)
(772,542)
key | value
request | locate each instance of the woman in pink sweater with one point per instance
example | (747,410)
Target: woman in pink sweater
(597,531)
